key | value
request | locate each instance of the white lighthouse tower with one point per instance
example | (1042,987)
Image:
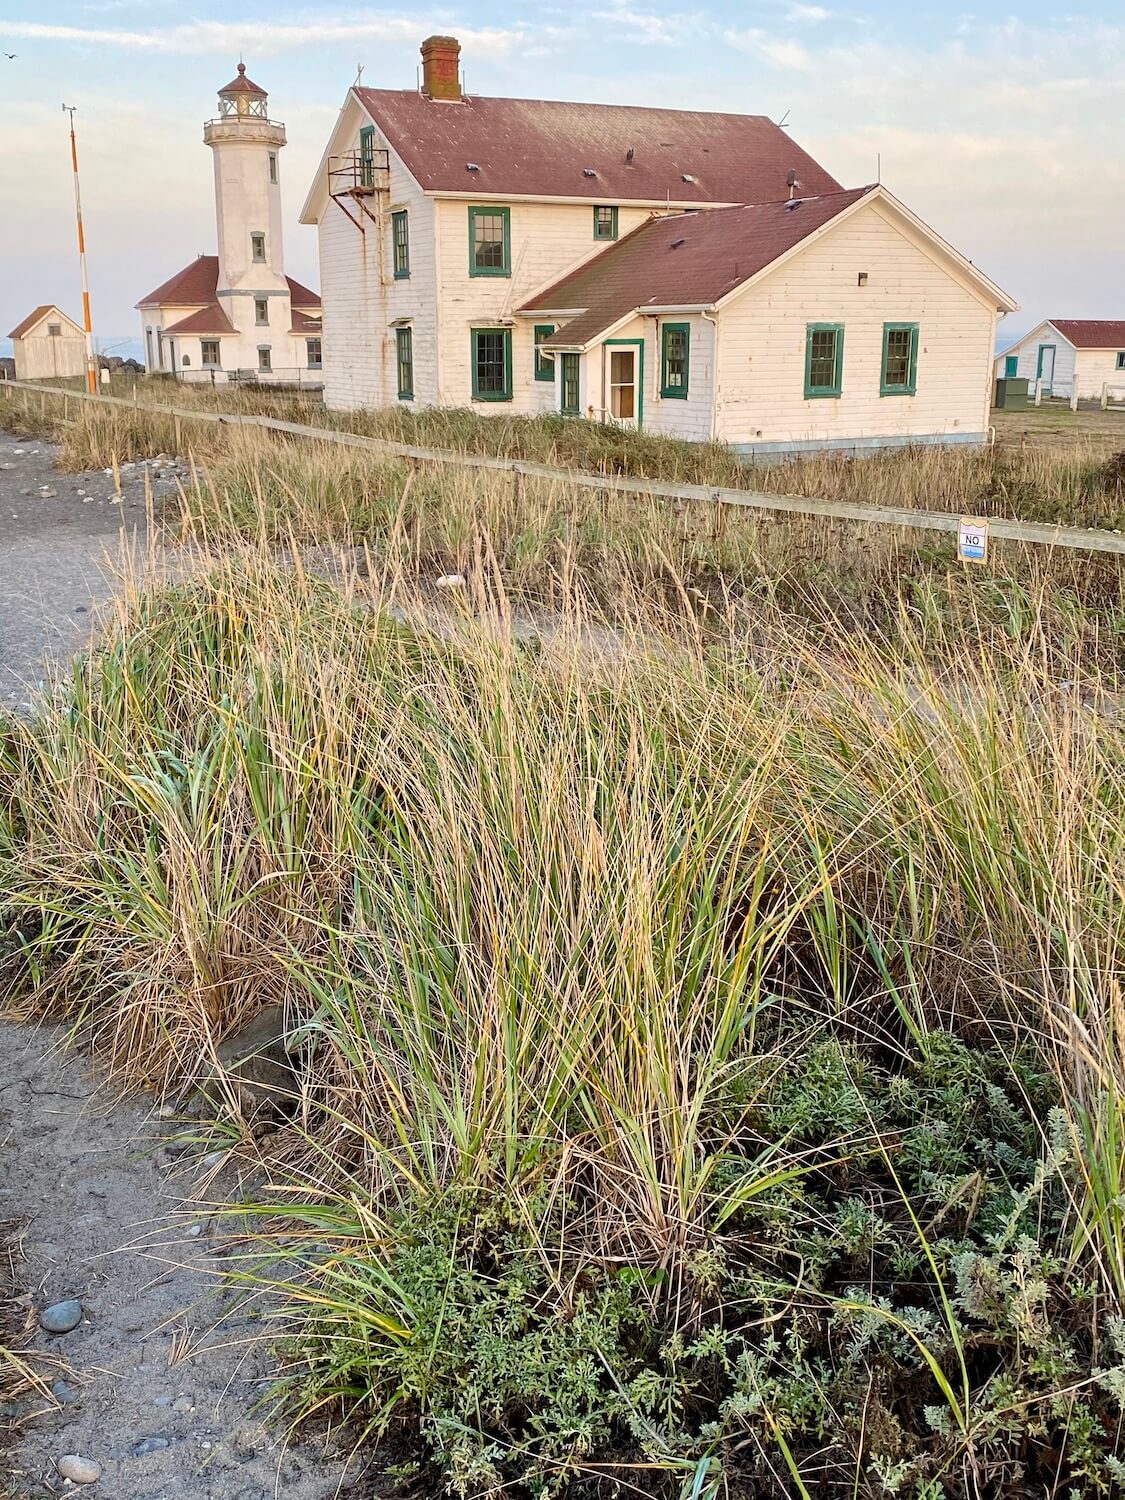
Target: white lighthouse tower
(247,146)
(236,315)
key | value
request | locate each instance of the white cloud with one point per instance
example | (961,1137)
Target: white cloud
(777,51)
(205,37)
(810,15)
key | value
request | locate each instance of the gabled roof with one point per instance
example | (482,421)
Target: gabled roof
(683,260)
(1092,333)
(37,316)
(198,282)
(701,259)
(209,319)
(546,148)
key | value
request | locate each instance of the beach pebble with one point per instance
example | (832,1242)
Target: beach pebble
(61,1317)
(78,1470)
(147,1446)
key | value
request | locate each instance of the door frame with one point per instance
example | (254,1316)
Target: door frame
(639,345)
(1039,364)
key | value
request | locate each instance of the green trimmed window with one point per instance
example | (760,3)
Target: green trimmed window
(367,156)
(900,360)
(492,364)
(544,361)
(569,391)
(605,221)
(490,241)
(1121,360)
(824,360)
(400,243)
(675,356)
(404,341)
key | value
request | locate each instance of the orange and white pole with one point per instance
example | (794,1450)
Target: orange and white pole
(91,364)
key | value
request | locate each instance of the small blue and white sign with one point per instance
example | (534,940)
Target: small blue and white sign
(972,539)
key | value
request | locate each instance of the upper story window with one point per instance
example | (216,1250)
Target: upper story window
(490,244)
(261,311)
(273,166)
(900,359)
(1121,359)
(54,330)
(824,359)
(367,156)
(675,353)
(400,243)
(209,352)
(605,222)
(257,247)
(313,348)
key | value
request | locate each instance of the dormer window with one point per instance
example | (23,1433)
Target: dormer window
(605,221)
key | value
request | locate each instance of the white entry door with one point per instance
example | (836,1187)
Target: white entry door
(1047,367)
(623,380)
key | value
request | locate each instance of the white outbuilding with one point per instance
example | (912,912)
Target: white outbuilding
(1065,354)
(48,345)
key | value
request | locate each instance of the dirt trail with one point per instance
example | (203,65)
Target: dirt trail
(165,1365)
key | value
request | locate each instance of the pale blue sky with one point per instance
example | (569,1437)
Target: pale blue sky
(1004,131)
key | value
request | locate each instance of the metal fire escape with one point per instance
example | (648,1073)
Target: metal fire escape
(359,176)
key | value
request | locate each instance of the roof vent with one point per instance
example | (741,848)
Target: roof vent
(792,204)
(687,177)
(588,172)
(471,166)
(677,243)
(629,155)
(793,185)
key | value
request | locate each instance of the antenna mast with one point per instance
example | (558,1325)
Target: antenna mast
(91,370)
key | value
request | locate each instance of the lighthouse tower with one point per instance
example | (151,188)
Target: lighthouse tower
(247,146)
(236,315)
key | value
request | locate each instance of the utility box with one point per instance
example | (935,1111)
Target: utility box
(1011,394)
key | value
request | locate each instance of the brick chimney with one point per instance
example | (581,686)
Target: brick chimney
(441,67)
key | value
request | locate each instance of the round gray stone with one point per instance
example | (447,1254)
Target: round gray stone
(61,1317)
(79,1470)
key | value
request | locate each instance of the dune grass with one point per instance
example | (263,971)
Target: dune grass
(710,1071)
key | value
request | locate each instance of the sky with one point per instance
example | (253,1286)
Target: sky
(1004,131)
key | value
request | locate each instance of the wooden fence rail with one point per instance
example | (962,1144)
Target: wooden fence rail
(1080,538)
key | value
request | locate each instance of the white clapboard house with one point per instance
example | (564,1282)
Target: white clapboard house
(691,273)
(1070,357)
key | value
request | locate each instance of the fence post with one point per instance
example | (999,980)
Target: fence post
(1074,393)
(179,435)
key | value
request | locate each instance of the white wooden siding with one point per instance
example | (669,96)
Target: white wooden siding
(40,355)
(1096,367)
(362,300)
(762,334)
(547,240)
(1027,356)
(672,417)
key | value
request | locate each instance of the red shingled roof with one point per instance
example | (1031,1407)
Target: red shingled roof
(682,260)
(1092,333)
(303,323)
(197,284)
(543,148)
(243,85)
(34,317)
(209,319)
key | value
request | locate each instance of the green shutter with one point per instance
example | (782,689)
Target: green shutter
(899,371)
(491,355)
(404,342)
(569,385)
(490,241)
(400,243)
(675,355)
(824,360)
(544,363)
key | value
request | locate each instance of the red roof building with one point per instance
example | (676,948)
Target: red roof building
(236,314)
(1074,359)
(690,272)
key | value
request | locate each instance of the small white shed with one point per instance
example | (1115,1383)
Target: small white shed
(1068,355)
(48,345)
